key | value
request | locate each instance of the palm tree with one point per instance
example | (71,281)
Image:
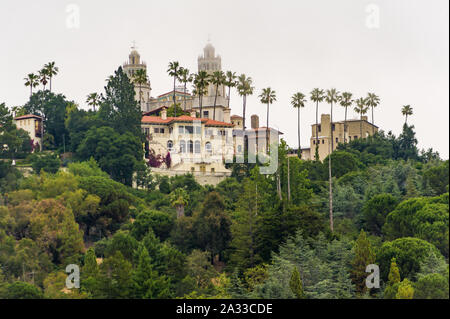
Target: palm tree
(317,96)
(332,96)
(140,78)
(230,82)
(32,80)
(217,78)
(268,96)
(201,82)
(93,100)
(406,111)
(245,88)
(372,101)
(185,78)
(52,70)
(346,101)
(361,108)
(174,71)
(43,77)
(298,101)
(179,198)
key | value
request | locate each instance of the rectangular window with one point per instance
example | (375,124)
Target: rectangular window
(161,130)
(205,114)
(337,140)
(156,130)
(181,129)
(333,127)
(320,128)
(323,141)
(189,129)
(198,130)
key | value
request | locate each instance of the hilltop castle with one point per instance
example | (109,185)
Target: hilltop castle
(194,143)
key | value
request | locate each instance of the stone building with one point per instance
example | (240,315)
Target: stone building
(143,91)
(341,134)
(32,124)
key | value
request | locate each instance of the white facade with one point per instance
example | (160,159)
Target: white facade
(32,125)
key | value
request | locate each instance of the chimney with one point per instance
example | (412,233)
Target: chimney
(226,115)
(255,121)
(164,114)
(193,113)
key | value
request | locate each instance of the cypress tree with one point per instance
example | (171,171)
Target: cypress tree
(364,256)
(296,284)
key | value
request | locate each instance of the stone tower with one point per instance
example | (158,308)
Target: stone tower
(210,62)
(143,92)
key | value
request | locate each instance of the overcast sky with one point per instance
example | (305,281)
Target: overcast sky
(397,49)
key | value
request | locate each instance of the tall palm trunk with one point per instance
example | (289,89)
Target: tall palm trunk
(331,129)
(289,179)
(345,125)
(50,84)
(331,194)
(184,96)
(243,124)
(215,101)
(267,131)
(317,130)
(373,123)
(298,126)
(360,126)
(174,98)
(229,96)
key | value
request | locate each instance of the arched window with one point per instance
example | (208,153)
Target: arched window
(182,147)
(191,147)
(169,145)
(197,147)
(208,147)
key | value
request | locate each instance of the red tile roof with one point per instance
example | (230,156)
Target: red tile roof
(28,116)
(183,118)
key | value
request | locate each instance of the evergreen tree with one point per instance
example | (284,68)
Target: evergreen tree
(146,282)
(296,284)
(364,256)
(405,290)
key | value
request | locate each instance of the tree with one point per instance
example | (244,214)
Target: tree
(244,88)
(140,78)
(51,71)
(218,78)
(405,290)
(93,99)
(409,254)
(317,96)
(394,273)
(431,286)
(298,101)
(117,154)
(174,71)
(50,163)
(22,290)
(268,96)
(372,101)
(158,222)
(212,225)
(54,229)
(147,284)
(185,77)
(375,211)
(407,111)
(32,80)
(120,109)
(296,284)
(331,97)
(115,277)
(364,256)
(43,77)
(179,199)
(346,101)
(230,82)
(361,108)
(201,82)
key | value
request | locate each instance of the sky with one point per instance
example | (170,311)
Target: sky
(398,49)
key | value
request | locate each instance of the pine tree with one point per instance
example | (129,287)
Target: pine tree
(394,273)
(296,284)
(146,282)
(364,256)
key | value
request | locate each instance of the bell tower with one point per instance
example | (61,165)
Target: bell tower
(210,62)
(142,90)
